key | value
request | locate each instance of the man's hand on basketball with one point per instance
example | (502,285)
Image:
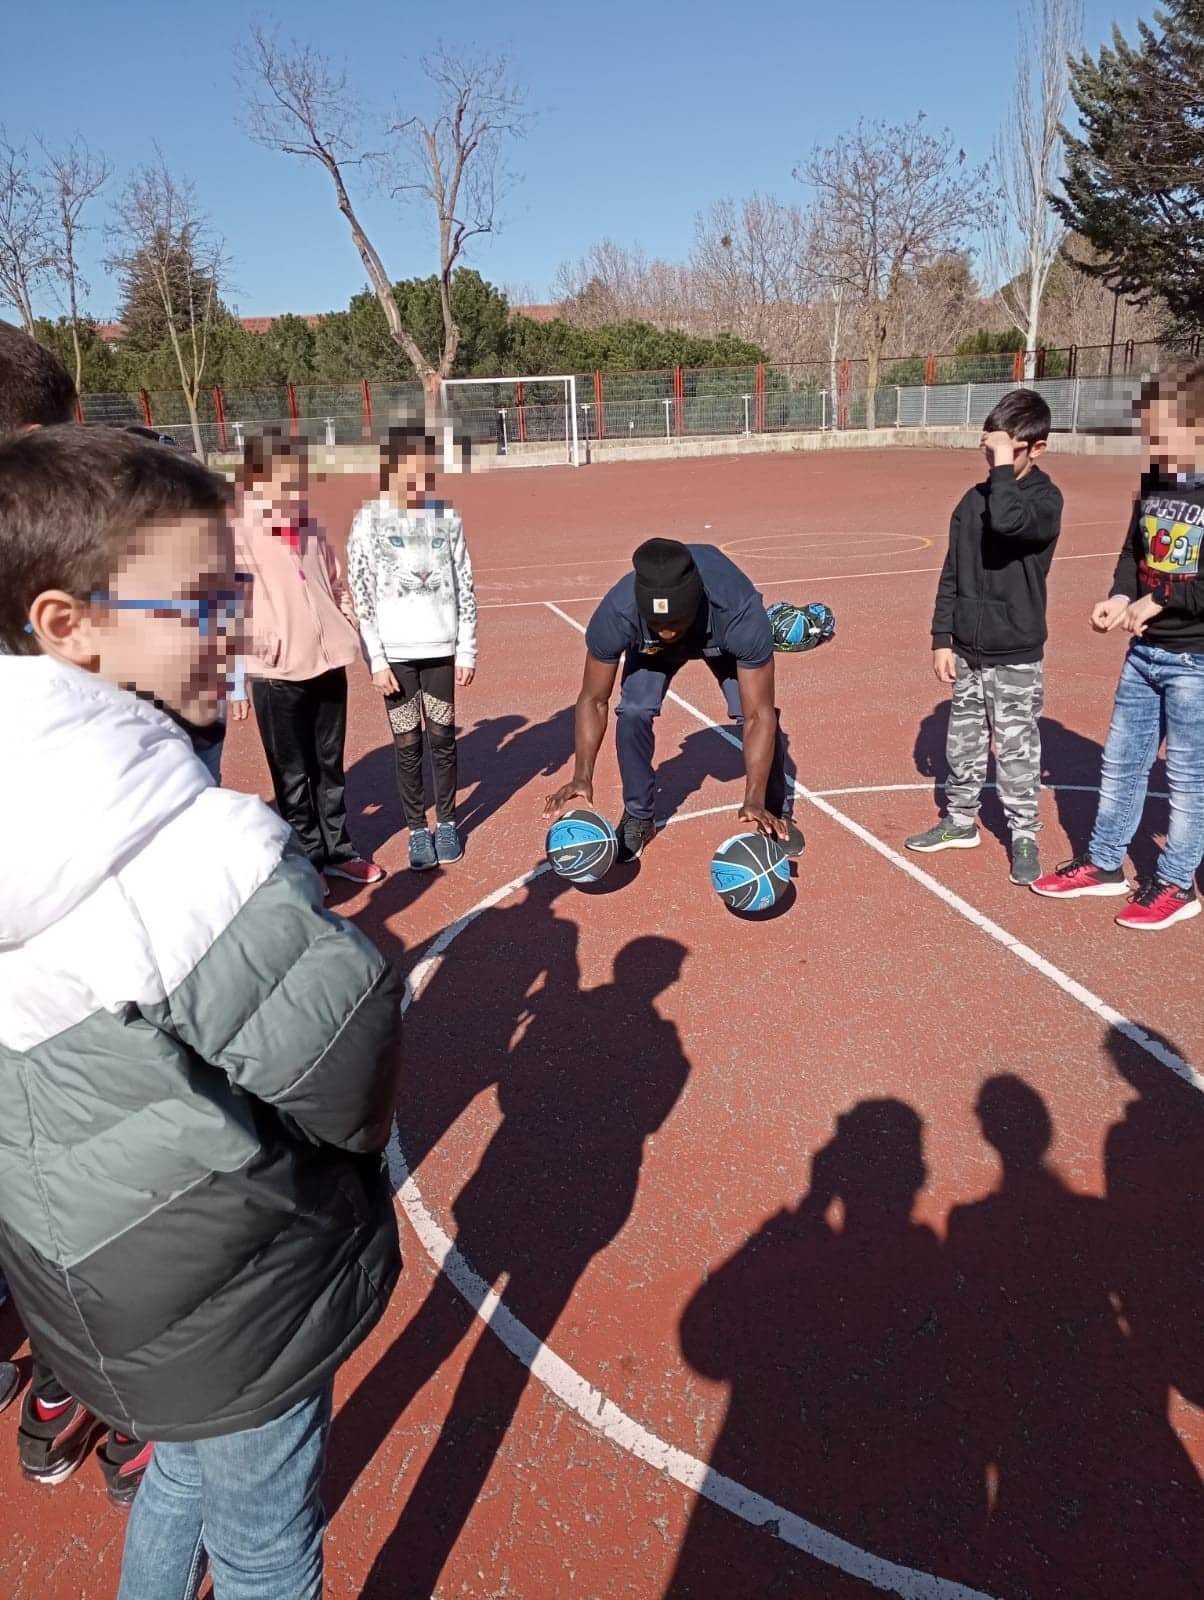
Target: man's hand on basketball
(464,676)
(557,804)
(944,664)
(1107,614)
(385,681)
(765,822)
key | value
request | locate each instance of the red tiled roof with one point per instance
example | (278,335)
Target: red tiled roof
(536,313)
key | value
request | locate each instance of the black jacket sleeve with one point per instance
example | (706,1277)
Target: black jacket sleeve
(1032,514)
(946,594)
(1124,580)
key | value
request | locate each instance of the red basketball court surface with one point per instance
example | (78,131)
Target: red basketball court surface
(717,1283)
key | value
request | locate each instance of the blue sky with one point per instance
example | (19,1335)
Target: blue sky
(644,114)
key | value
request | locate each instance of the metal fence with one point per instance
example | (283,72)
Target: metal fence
(1089,389)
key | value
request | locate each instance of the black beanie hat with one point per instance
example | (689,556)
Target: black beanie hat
(668,586)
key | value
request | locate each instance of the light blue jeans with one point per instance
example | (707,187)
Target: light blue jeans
(1159,693)
(248,1502)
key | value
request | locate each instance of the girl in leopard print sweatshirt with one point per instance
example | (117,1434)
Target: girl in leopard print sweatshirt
(411,580)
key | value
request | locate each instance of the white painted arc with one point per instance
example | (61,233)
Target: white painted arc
(574,1391)
(1070,986)
(593,1407)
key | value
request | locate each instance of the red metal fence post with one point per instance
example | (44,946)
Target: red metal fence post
(294,416)
(1018,367)
(599,406)
(144,401)
(219,415)
(366,403)
(842,393)
(520,405)
(759,403)
(679,399)
(79,408)
(929,370)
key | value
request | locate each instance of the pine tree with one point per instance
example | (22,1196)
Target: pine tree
(1134,185)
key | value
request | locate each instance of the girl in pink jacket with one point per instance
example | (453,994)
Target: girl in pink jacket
(301,638)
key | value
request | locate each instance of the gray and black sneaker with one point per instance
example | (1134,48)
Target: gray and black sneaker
(448,846)
(1026,863)
(633,833)
(945,836)
(422,850)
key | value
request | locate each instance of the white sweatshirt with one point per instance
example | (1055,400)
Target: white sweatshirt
(411,580)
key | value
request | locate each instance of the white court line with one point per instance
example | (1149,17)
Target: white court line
(831,577)
(594,1408)
(1062,980)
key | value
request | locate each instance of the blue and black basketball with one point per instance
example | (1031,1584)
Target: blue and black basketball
(799,628)
(750,872)
(582,846)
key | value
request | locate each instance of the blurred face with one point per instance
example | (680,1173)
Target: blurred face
(413,482)
(286,488)
(1173,443)
(165,627)
(669,635)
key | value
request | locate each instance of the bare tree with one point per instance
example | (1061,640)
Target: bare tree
(162,235)
(299,103)
(27,255)
(74,178)
(1026,233)
(895,197)
(751,266)
(455,160)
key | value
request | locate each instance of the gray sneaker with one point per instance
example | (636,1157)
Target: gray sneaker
(945,836)
(447,842)
(1026,863)
(422,850)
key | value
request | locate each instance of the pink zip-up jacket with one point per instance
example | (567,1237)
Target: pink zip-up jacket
(301,621)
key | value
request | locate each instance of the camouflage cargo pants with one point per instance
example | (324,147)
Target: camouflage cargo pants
(1006,702)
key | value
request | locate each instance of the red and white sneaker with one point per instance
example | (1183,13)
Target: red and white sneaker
(1080,877)
(52,1440)
(1158,905)
(357,871)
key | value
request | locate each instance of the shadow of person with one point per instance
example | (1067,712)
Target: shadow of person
(587,1077)
(1070,765)
(497,758)
(1154,1170)
(1087,1489)
(832,1328)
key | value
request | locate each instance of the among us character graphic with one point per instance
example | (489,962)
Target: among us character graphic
(1172,548)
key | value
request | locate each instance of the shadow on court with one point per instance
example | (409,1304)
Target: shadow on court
(554,1187)
(993,1410)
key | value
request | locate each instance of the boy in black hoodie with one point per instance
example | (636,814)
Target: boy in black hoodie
(989,632)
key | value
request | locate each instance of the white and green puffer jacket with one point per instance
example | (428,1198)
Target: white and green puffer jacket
(198,1067)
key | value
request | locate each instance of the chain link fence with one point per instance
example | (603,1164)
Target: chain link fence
(1090,389)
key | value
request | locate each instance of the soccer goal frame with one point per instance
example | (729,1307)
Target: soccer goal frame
(509,422)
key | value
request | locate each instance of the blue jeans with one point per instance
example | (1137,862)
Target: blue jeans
(247,1501)
(646,680)
(1159,693)
(211,760)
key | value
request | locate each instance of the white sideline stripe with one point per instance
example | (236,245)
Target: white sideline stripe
(594,1408)
(1062,980)
(831,577)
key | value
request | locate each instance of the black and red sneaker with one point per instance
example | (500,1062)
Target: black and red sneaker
(1079,877)
(1159,905)
(54,1438)
(123,1464)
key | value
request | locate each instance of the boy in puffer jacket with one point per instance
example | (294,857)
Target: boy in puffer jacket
(197,1063)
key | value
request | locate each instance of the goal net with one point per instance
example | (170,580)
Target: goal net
(522,418)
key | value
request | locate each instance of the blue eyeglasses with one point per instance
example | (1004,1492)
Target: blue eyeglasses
(219,613)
